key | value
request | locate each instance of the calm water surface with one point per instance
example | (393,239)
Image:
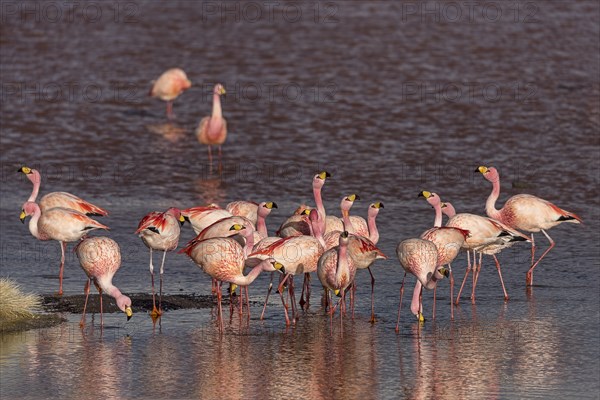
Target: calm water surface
(391,101)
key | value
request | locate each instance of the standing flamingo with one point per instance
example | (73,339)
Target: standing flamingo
(223,260)
(418,257)
(59,199)
(100,258)
(169,86)
(213,130)
(447,240)
(160,231)
(61,224)
(527,213)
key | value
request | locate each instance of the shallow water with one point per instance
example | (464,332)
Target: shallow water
(391,99)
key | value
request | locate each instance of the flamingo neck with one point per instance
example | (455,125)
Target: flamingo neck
(261,226)
(33,224)
(438,215)
(249,243)
(347,224)
(241,280)
(106,285)
(342,263)
(320,206)
(373,232)
(315,230)
(415,303)
(36,188)
(217,112)
(490,204)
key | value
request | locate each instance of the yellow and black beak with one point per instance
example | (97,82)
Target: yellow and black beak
(444,271)
(424,194)
(22,216)
(378,205)
(25,170)
(337,292)
(420,317)
(232,288)
(483,170)
(353,197)
(278,267)
(128,312)
(305,212)
(222,91)
(271,205)
(324,175)
(236,227)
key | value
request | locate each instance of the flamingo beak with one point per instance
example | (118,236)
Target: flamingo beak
(444,271)
(22,217)
(483,170)
(337,292)
(232,288)
(25,170)
(128,312)
(420,317)
(324,175)
(424,194)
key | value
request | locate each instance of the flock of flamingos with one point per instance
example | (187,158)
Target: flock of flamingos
(232,240)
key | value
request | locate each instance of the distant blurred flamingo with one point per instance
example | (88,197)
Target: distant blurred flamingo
(169,86)
(223,259)
(213,130)
(61,224)
(100,258)
(59,199)
(525,212)
(418,257)
(160,231)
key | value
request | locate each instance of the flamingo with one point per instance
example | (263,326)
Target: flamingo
(297,224)
(418,257)
(169,86)
(201,217)
(221,228)
(527,213)
(486,236)
(336,272)
(223,259)
(447,240)
(344,223)
(160,231)
(100,258)
(59,199)
(213,130)
(61,224)
(243,208)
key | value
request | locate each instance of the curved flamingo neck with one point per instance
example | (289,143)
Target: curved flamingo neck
(320,206)
(252,275)
(342,262)
(261,226)
(373,232)
(217,112)
(249,243)
(36,179)
(33,224)
(490,204)
(315,230)
(415,303)
(438,215)
(106,285)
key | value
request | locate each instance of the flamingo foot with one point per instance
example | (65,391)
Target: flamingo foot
(373,319)
(529,278)
(59,293)
(156,313)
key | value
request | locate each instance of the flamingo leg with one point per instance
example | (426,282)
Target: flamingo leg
(343,309)
(247,301)
(267,299)
(154,312)
(210,157)
(529,277)
(285,307)
(532,249)
(170,114)
(352,294)
(101,311)
(307,276)
(465,278)
(292,298)
(400,304)
(476,276)
(500,275)
(63,248)
(451,292)
(372,320)
(433,313)
(219,310)
(162,266)
(86,290)
(421,301)
(220,160)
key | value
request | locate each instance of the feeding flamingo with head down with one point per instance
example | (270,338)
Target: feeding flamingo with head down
(169,86)
(59,199)
(223,259)
(419,258)
(527,213)
(160,231)
(61,224)
(100,258)
(212,130)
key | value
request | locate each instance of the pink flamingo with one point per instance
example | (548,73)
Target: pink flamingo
(418,257)
(336,272)
(204,216)
(59,199)
(221,228)
(213,130)
(223,260)
(100,258)
(525,212)
(160,231)
(243,208)
(344,223)
(169,86)
(447,240)
(61,224)
(486,236)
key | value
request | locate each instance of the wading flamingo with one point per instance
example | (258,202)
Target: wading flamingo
(527,213)
(169,86)
(486,236)
(100,258)
(61,224)
(213,130)
(447,240)
(203,216)
(223,260)
(345,223)
(221,228)
(336,272)
(160,231)
(418,257)
(59,199)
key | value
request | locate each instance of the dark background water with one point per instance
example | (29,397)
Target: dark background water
(392,98)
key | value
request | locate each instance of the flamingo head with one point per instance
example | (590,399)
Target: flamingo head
(32,174)
(219,90)
(124,304)
(302,209)
(432,198)
(265,208)
(184,82)
(347,203)
(489,173)
(29,208)
(441,272)
(374,209)
(344,238)
(272,265)
(448,209)
(177,214)
(319,179)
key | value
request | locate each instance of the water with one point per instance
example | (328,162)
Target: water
(391,99)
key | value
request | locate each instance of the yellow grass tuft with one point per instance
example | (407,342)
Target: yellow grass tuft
(14,304)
